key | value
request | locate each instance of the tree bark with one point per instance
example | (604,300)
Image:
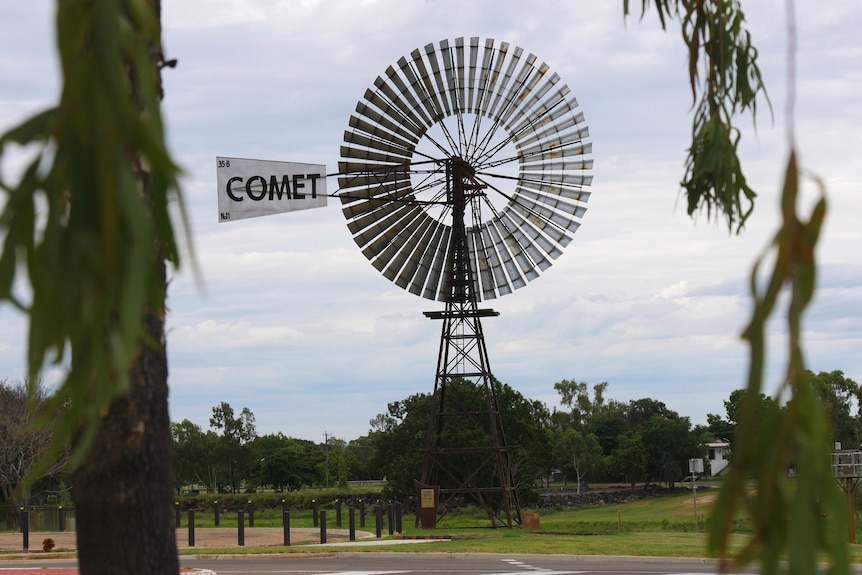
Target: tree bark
(122,491)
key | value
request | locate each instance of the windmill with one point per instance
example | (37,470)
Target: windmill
(464,172)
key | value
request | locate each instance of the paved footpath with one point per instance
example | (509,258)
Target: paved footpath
(212,538)
(74,571)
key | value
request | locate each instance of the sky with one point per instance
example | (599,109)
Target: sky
(286,316)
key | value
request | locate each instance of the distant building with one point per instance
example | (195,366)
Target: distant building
(718,457)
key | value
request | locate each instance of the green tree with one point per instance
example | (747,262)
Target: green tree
(576,396)
(718,427)
(669,444)
(194,454)
(286,462)
(722,428)
(839,395)
(398,436)
(577,454)
(629,460)
(238,431)
(364,461)
(526,423)
(641,411)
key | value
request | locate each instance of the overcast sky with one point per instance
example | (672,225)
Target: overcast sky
(295,324)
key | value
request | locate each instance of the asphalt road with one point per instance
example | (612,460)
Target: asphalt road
(433,563)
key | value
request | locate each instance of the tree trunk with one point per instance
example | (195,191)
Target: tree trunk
(122,491)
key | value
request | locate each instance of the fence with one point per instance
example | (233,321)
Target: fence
(44,518)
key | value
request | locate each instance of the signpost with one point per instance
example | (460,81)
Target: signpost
(695,466)
(252,188)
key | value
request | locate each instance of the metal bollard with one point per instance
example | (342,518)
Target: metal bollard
(191,513)
(285,520)
(398,517)
(338,513)
(378,521)
(361,513)
(351,520)
(216,511)
(323,526)
(25,528)
(390,518)
(240,524)
(61,519)
(250,514)
(315,509)
(177,512)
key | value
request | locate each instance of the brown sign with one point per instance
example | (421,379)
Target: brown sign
(427,495)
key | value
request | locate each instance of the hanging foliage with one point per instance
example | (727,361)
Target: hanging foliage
(794,520)
(78,221)
(725,82)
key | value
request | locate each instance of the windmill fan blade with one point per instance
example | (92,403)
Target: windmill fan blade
(467,134)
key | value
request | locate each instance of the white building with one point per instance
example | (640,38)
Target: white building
(718,457)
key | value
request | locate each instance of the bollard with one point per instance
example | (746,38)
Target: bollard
(61,519)
(25,528)
(216,510)
(323,526)
(250,514)
(378,521)
(285,520)
(398,517)
(361,513)
(390,518)
(338,513)
(191,513)
(240,524)
(314,512)
(177,512)
(351,520)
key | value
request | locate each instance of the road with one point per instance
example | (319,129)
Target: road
(431,563)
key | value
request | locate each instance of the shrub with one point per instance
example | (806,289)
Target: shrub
(48,544)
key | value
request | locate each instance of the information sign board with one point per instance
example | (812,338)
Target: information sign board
(252,188)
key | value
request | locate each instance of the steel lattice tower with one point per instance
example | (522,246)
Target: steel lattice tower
(480,469)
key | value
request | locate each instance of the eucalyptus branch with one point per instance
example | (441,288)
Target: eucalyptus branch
(725,82)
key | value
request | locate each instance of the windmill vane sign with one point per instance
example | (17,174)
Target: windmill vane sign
(252,188)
